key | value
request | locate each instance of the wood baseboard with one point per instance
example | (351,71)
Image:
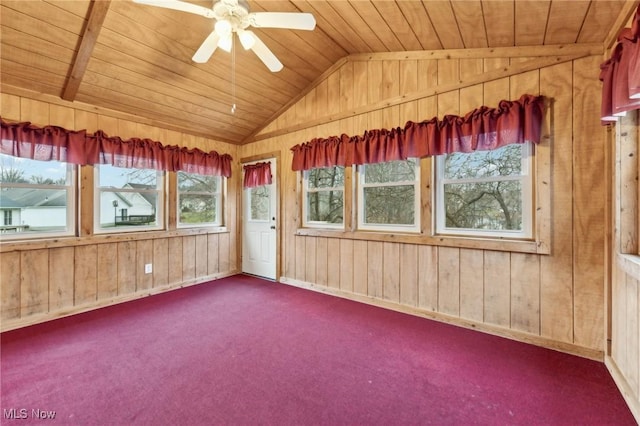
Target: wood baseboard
(570,348)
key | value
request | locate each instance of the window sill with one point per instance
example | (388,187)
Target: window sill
(497,244)
(53,242)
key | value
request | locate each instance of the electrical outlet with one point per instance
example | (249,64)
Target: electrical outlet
(148,268)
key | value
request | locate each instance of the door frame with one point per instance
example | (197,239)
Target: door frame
(276,182)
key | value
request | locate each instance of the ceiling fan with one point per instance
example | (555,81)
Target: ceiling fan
(232,16)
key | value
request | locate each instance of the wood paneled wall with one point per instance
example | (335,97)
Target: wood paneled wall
(46,279)
(623,359)
(556,299)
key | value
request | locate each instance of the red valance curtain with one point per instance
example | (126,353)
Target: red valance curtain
(77,147)
(481,129)
(620,74)
(257,174)
(42,143)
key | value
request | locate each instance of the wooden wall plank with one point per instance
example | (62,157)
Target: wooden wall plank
(428,278)
(161,261)
(360,274)
(61,278)
(107,270)
(375,260)
(472,284)
(588,205)
(144,256)
(34,111)
(631,331)
(34,282)
(300,266)
(408,84)
(127,267)
(409,274)
(62,116)
(347,261)
(175,265)
(189,258)
(322,262)
(213,241)
(556,272)
(449,280)
(628,189)
(201,256)
(333,262)
(525,292)
(86,274)
(310,259)
(391,272)
(10,107)
(497,292)
(224,253)
(10,290)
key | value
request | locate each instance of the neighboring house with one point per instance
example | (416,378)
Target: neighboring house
(36,208)
(127,208)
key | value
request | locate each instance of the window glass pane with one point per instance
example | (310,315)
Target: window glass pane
(506,161)
(129,197)
(325,206)
(200,183)
(23,170)
(33,210)
(393,205)
(197,208)
(327,177)
(35,196)
(488,205)
(259,197)
(117,177)
(393,171)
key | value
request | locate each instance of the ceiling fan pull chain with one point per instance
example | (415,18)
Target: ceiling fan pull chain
(233,76)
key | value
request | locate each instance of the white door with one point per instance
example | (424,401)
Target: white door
(259,228)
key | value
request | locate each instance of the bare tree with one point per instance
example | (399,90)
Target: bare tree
(489,204)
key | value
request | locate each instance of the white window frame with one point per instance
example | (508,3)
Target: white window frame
(217,195)
(160,205)
(71,194)
(526,179)
(413,228)
(305,204)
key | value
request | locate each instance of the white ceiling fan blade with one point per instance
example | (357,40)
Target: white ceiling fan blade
(207,48)
(179,5)
(289,20)
(265,54)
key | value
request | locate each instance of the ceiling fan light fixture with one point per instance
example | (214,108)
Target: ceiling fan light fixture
(247,39)
(226,43)
(223,28)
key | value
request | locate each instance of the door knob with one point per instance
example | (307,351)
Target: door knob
(273,227)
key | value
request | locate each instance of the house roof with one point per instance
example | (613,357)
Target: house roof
(135,59)
(28,197)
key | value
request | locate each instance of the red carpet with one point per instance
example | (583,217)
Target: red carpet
(245,351)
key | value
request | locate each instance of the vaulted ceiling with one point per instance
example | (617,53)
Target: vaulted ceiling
(136,59)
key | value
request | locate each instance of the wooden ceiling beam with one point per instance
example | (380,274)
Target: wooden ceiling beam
(95,18)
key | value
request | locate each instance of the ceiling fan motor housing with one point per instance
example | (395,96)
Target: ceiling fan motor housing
(235,12)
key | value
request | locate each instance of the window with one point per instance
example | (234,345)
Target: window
(323,194)
(199,200)
(485,193)
(128,199)
(37,198)
(389,196)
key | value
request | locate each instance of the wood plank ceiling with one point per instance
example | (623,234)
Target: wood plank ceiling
(136,59)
